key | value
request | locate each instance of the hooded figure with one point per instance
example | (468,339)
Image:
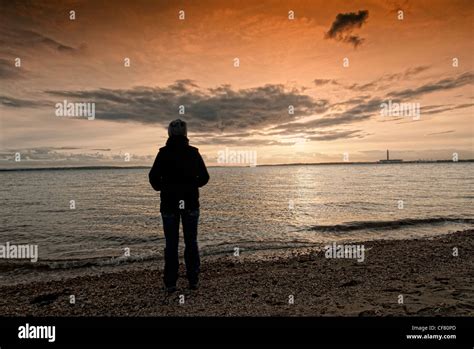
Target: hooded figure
(177,173)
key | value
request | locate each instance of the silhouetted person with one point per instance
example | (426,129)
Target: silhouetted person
(178,172)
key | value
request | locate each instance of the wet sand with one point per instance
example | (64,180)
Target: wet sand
(431,280)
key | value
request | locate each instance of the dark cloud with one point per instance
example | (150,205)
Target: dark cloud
(321,82)
(412,71)
(354,40)
(221,108)
(355,114)
(404,75)
(308,135)
(66,148)
(232,142)
(363,87)
(20,103)
(353,101)
(336,134)
(14,38)
(437,109)
(410,121)
(385,80)
(440,85)
(381,83)
(391,119)
(342,27)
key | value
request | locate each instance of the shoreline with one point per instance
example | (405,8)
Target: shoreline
(431,280)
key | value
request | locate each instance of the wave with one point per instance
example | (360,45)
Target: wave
(104,261)
(396,224)
(76,263)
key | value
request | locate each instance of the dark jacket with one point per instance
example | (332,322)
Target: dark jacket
(178,172)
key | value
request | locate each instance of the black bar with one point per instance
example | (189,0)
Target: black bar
(338,330)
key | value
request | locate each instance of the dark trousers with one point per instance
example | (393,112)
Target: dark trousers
(190,220)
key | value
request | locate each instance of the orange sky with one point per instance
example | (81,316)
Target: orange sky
(282,62)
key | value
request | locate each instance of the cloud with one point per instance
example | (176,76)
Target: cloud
(321,82)
(440,133)
(360,112)
(353,40)
(440,85)
(222,140)
(380,83)
(20,103)
(206,110)
(336,134)
(58,156)
(308,135)
(252,115)
(437,109)
(66,148)
(361,108)
(353,101)
(25,38)
(342,27)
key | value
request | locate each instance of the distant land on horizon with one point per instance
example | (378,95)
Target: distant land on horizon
(230,166)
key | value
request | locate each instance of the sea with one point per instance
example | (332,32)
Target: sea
(100,220)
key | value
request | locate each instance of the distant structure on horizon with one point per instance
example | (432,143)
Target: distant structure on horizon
(388,161)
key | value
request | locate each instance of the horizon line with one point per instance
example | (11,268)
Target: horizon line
(111,167)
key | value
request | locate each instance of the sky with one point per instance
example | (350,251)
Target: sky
(334,64)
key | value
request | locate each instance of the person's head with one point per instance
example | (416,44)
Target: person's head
(177,128)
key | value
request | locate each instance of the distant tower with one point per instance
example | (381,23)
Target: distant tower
(390,161)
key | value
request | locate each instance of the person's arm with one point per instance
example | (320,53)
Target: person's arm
(203,175)
(155,173)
